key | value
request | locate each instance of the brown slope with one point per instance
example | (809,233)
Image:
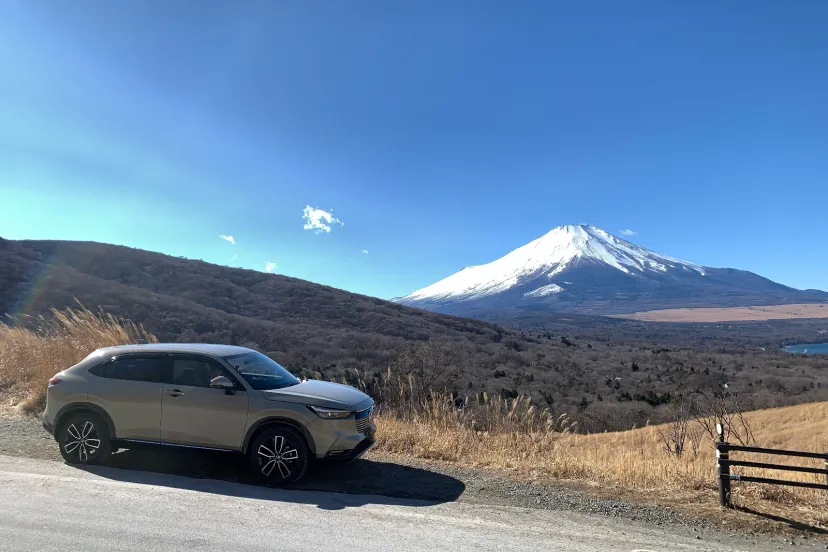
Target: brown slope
(322,331)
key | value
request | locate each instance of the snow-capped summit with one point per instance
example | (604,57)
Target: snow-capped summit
(548,256)
(578,266)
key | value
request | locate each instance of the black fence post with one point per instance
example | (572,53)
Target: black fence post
(723,469)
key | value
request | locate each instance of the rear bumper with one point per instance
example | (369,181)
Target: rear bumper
(50,429)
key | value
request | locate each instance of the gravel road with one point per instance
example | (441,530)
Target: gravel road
(46,505)
(396,480)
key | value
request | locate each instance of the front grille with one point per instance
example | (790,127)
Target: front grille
(364,419)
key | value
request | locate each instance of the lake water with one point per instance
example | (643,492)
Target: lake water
(809,348)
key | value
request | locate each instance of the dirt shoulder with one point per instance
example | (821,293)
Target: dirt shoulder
(403,477)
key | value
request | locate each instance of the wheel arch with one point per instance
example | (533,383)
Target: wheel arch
(265,423)
(66,412)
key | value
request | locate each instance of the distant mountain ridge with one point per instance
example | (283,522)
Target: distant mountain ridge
(584,269)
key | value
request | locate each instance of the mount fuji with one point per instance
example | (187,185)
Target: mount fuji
(580,268)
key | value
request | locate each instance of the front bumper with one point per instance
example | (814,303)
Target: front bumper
(352,454)
(359,450)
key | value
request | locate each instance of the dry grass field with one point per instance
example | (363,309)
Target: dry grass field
(732,314)
(634,463)
(510,436)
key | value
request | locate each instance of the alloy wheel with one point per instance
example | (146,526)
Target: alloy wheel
(83,441)
(277,457)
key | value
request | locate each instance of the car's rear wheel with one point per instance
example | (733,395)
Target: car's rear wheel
(84,439)
(279,456)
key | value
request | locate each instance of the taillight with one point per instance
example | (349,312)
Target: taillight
(54,381)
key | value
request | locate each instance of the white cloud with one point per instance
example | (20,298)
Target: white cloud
(365,251)
(319,220)
(270,267)
(230,239)
(234,257)
(627,232)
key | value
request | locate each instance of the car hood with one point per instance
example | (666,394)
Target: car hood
(318,393)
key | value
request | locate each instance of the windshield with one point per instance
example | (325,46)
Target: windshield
(261,372)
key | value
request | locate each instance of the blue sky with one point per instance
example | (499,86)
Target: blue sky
(439,134)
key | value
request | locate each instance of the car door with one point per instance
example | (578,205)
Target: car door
(129,389)
(193,413)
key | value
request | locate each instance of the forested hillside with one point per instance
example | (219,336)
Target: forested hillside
(608,374)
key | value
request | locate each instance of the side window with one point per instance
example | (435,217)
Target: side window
(134,369)
(196,372)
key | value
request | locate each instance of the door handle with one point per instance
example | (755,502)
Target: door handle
(173,392)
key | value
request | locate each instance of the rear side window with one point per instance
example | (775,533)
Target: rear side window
(133,369)
(98,370)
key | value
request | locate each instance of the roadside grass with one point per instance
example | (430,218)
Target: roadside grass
(511,436)
(32,353)
(632,461)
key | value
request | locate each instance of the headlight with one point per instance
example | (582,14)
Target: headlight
(330,413)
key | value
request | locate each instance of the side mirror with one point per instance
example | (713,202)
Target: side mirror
(221,382)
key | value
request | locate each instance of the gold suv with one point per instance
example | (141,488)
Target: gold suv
(217,397)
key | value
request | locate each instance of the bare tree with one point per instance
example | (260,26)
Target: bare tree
(674,434)
(695,435)
(714,407)
(418,373)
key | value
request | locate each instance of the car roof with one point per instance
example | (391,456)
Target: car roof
(204,348)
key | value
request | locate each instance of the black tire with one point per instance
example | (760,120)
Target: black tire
(279,456)
(78,436)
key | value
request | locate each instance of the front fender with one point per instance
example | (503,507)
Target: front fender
(278,420)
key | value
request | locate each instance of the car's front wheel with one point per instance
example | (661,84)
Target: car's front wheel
(279,456)
(84,439)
